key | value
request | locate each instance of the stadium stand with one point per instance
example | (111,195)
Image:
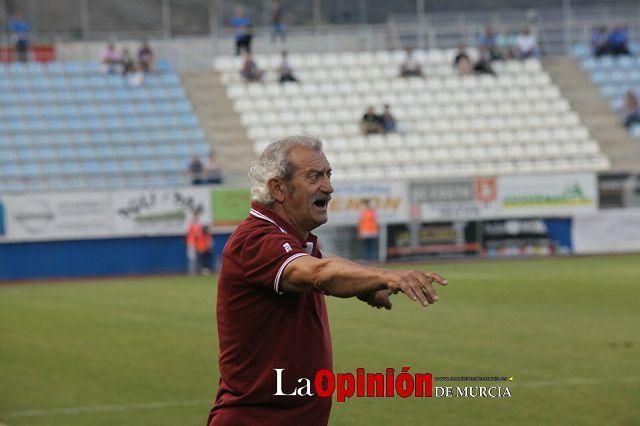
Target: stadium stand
(614,76)
(450,125)
(68,126)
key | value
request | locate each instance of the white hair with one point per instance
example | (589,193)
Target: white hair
(274,163)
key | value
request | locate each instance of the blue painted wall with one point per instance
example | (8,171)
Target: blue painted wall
(107,257)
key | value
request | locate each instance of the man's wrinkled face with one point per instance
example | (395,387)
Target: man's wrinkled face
(309,190)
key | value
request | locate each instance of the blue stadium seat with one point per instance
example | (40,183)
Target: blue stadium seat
(47,153)
(111,167)
(30,169)
(69,119)
(124,151)
(145,151)
(10,170)
(91,167)
(52,168)
(163,66)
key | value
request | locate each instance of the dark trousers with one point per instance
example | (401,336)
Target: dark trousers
(22,50)
(204,260)
(370,248)
(243,43)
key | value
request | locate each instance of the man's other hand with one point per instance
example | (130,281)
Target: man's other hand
(416,285)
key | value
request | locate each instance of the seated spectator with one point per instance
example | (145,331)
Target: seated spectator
(410,67)
(507,45)
(599,44)
(488,42)
(461,61)
(483,64)
(250,70)
(285,71)
(388,120)
(631,109)
(195,171)
(145,57)
(527,45)
(111,59)
(371,122)
(137,78)
(127,62)
(212,172)
(617,41)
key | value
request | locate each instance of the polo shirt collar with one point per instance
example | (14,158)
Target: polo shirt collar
(261,212)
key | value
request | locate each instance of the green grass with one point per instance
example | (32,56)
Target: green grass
(566,329)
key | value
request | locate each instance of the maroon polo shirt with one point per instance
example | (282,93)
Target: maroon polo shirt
(262,328)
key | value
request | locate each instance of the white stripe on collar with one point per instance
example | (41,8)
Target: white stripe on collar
(257,214)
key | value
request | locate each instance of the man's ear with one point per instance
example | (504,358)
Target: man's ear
(278,189)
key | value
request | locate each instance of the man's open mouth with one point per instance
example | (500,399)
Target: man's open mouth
(321,203)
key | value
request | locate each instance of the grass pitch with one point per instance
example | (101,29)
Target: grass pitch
(144,351)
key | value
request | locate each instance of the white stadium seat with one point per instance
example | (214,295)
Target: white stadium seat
(468,125)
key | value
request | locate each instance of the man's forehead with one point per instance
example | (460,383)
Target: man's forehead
(308,159)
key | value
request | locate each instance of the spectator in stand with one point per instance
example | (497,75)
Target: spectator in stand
(195,170)
(369,230)
(527,45)
(410,67)
(617,42)
(127,62)
(146,58)
(277,26)
(507,45)
(241,24)
(631,109)
(111,59)
(462,62)
(599,43)
(488,42)
(20,29)
(212,170)
(194,233)
(250,71)
(285,71)
(388,120)
(483,64)
(371,122)
(204,244)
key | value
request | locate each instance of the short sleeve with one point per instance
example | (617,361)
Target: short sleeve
(265,256)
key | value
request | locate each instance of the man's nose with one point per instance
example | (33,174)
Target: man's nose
(326,185)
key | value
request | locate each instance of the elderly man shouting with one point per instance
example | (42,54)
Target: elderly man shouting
(271,309)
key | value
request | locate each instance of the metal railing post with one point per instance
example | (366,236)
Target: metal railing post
(166,18)
(84,19)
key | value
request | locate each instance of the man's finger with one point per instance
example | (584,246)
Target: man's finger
(437,278)
(430,292)
(387,303)
(416,289)
(408,291)
(426,288)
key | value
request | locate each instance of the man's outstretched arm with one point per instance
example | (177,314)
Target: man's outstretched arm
(341,277)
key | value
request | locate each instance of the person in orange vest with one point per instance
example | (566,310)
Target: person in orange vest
(204,243)
(369,230)
(193,233)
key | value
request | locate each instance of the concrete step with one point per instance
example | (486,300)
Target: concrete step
(220,122)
